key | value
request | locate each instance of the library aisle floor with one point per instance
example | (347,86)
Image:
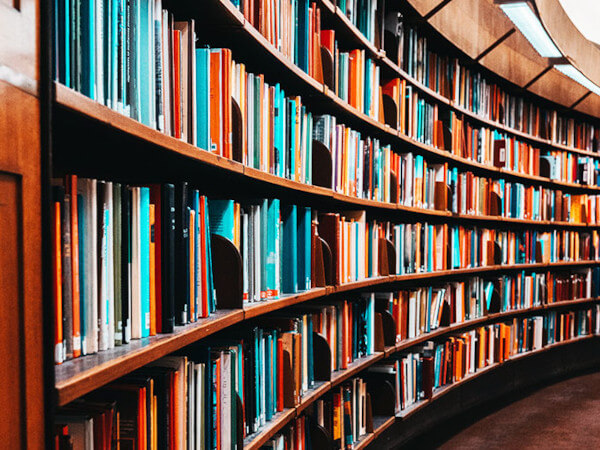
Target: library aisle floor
(563,415)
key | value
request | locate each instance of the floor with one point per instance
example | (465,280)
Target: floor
(565,415)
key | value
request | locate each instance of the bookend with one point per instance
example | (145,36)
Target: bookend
(240,423)
(393,187)
(445,318)
(318,278)
(391,257)
(379,334)
(237,131)
(442,194)
(428,375)
(327,62)
(390,111)
(388,325)
(322,357)
(382,397)
(494,303)
(538,252)
(289,388)
(383,263)
(321,165)
(327,262)
(494,257)
(227,272)
(544,168)
(319,437)
(495,203)
(369,413)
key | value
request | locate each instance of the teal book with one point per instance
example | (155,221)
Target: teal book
(264,248)
(289,257)
(212,296)
(293,139)
(88,65)
(268,376)
(82,260)
(145,56)
(145,259)
(221,218)
(304,236)
(203,97)
(197,258)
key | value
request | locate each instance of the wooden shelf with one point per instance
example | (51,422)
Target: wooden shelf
(311,88)
(77,103)
(380,424)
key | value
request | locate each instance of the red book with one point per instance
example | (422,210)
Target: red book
(226,86)
(216,144)
(57,284)
(72,191)
(155,199)
(280,374)
(328,40)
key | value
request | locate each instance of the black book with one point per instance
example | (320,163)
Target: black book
(168,228)
(125,261)
(182,237)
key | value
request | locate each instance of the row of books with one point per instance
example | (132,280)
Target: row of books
(191,400)
(470,89)
(418,373)
(361,166)
(129,262)
(440,187)
(420,310)
(295,436)
(424,247)
(343,413)
(134,261)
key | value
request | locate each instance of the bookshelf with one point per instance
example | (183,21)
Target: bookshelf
(123,149)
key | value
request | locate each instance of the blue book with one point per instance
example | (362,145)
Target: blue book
(221,217)
(289,256)
(304,236)
(82,259)
(203,97)
(145,259)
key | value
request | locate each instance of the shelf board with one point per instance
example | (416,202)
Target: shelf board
(79,376)
(258,439)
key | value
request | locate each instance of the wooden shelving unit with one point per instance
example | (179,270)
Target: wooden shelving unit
(82,375)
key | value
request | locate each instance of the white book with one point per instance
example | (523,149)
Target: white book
(103,261)
(226,400)
(90,340)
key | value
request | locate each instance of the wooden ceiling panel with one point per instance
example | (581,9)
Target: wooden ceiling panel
(515,60)
(558,88)
(590,105)
(471,25)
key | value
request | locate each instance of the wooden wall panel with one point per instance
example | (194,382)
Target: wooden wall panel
(21,314)
(11,314)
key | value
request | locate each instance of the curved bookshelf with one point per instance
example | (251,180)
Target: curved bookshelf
(312,87)
(79,376)
(271,428)
(168,146)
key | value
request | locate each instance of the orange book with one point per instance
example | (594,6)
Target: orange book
(177,84)
(226,86)
(216,144)
(152,272)
(72,191)
(57,284)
